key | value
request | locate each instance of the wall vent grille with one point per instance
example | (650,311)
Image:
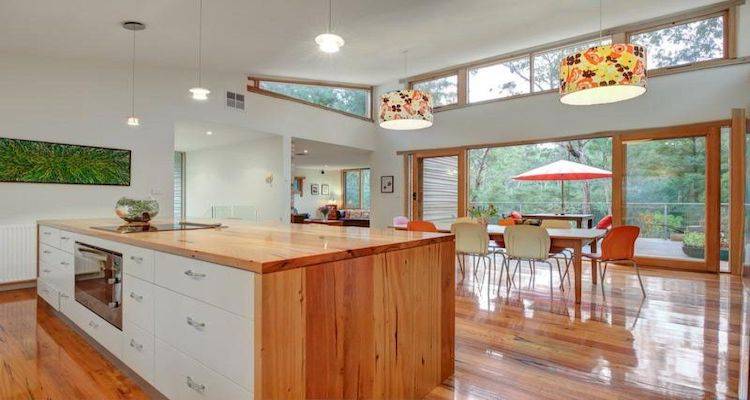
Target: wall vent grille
(236,100)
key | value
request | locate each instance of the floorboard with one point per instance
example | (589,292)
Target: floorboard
(687,340)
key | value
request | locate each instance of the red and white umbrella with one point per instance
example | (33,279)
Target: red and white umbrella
(563,170)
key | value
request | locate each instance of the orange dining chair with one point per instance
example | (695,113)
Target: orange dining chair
(619,246)
(421,226)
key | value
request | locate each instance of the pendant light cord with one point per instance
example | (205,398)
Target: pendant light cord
(601,35)
(132,80)
(200,40)
(330,16)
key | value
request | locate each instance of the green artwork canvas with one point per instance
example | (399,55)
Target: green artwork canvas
(31,161)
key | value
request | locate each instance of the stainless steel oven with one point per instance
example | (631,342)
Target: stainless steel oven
(98,282)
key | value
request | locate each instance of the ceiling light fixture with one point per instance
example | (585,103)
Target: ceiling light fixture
(209,133)
(329,42)
(133,27)
(199,92)
(406,109)
(603,74)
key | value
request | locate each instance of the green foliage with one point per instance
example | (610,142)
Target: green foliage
(657,225)
(488,211)
(694,239)
(353,101)
(683,44)
(444,90)
(41,162)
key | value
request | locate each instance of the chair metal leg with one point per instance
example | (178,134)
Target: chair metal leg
(638,273)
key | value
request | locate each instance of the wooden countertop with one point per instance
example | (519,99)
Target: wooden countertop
(260,247)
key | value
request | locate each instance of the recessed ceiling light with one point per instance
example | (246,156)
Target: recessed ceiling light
(304,151)
(209,133)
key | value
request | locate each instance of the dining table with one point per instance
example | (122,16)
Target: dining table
(581,220)
(574,239)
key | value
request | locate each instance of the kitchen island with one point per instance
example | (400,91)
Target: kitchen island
(269,310)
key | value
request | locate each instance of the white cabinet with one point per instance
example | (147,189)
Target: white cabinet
(138,350)
(48,293)
(138,302)
(219,339)
(179,377)
(49,236)
(139,262)
(224,287)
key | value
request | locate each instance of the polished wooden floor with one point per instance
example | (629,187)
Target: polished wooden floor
(686,341)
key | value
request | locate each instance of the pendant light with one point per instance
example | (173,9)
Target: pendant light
(406,109)
(603,74)
(133,26)
(329,42)
(199,92)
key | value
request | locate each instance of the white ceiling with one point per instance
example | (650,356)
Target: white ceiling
(276,37)
(327,155)
(191,135)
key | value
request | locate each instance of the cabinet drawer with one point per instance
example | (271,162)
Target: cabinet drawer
(179,377)
(139,262)
(138,351)
(224,287)
(49,254)
(219,339)
(50,236)
(48,293)
(102,331)
(138,302)
(67,241)
(58,276)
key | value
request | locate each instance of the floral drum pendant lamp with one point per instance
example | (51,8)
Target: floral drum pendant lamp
(406,110)
(603,74)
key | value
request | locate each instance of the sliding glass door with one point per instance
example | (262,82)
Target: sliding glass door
(670,189)
(438,194)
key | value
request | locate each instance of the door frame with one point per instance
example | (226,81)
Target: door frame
(415,182)
(711,131)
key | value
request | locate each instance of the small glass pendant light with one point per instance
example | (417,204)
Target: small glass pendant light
(329,42)
(199,92)
(133,26)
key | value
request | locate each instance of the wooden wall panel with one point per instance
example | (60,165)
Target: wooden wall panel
(379,326)
(737,190)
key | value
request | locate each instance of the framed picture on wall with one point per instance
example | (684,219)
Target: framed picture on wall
(386,184)
(314,189)
(325,190)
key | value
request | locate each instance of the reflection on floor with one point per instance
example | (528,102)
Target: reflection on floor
(684,341)
(42,358)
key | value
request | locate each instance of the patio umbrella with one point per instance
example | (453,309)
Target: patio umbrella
(563,170)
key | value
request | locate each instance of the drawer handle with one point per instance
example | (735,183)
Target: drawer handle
(195,324)
(64,263)
(136,297)
(46,233)
(93,324)
(46,271)
(192,274)
(64,238)
(46,252)
(64,296)
(135,345)
(195,385)
(137,259)
(45,291)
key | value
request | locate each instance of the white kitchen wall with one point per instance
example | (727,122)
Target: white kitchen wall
(85,102)
(236,176)
(307,203)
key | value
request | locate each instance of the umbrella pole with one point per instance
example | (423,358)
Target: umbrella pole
(562,197)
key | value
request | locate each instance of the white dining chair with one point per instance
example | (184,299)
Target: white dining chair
(473,240)
(527,243)
(560,253)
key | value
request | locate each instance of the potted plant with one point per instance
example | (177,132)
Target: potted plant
(694,245)
(324,210)
(484,215)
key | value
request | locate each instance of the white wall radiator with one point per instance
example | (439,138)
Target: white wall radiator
(17,253)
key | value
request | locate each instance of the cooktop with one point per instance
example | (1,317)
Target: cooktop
(137,228)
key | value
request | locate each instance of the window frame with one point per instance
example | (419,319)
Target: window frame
(655,27)
(460,87)
(498,62)
(343,188)
(253,86)
(617,34)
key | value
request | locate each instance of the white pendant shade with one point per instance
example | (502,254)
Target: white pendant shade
(406,110)
(329,42)
(200,93)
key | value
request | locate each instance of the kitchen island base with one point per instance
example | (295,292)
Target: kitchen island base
(379,326)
